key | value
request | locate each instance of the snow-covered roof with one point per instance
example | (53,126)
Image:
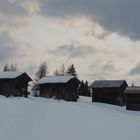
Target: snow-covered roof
(54,79)
(107,83)
(9,75)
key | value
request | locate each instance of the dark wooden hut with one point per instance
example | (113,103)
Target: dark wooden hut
(111,91)
(133,98)
(59,87)
(14,84)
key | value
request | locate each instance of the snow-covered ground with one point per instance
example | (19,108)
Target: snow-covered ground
(42,119)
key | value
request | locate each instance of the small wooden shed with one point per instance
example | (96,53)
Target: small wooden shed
(59,87)
(109,91)
(133,98)
(14,83)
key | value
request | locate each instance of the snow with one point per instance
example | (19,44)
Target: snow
(55,79)
(9,75)
(38,118)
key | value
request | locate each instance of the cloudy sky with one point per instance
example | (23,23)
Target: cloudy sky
(101,37)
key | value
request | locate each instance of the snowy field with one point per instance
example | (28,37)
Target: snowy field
(43,119)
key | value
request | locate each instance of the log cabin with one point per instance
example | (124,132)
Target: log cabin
(59,87)
(14,84)
(109,91)
(132,98)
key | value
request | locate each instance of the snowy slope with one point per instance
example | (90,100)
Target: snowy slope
(43,119)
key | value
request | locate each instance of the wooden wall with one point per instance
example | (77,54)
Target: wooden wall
(133,102)
(109,95)
(66,91)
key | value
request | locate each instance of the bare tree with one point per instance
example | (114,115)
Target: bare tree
(6,67)
(71,70)
(56,73)
(11,67)
(61,71)
(133,84)
(42,71)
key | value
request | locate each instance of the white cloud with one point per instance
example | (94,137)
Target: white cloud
(32,6)
(110,60)
(98,52)
(7,7)
(115,15)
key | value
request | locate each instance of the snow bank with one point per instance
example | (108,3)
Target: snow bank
(48,119)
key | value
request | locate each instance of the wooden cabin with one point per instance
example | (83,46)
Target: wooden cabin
(133,98)
(111,91)
(59,87)
(14,84)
